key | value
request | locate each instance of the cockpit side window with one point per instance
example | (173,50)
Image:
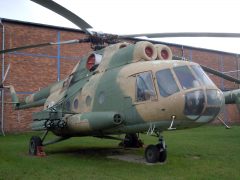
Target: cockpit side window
(201,75)
(145,89)
(166,83)
(186,78)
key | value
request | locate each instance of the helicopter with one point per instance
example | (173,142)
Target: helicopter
(124,88)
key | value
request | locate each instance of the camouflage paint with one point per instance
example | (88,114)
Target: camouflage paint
(90,102)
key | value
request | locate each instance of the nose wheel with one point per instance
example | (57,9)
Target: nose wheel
(156,153)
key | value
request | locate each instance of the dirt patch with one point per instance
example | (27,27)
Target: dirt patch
(132,158)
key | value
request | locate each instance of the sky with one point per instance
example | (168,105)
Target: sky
(142,16)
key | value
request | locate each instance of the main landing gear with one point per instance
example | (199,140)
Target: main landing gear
(131,141)
(156,153)
(36,144)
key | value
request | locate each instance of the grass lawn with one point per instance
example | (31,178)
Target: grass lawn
(209,152)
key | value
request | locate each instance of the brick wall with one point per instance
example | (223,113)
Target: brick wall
(32,69)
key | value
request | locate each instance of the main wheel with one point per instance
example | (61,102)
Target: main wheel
(152,154)
(35,141)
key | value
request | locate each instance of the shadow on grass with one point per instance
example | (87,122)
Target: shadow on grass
(90,151)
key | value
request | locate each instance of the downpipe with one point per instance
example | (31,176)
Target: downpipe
(2,92)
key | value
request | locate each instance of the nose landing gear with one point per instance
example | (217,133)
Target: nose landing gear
(156,153)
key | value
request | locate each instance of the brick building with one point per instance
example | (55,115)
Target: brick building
(32,69)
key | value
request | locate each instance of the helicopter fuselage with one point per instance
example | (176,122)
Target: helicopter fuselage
(145,96)
(127,88)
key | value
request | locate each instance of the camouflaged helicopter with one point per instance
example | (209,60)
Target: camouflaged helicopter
(125,88)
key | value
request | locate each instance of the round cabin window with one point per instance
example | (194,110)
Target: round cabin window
(75,104)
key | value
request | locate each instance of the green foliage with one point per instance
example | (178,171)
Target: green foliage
(203,153)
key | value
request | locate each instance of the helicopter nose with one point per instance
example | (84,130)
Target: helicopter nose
(203,105)
(194,104)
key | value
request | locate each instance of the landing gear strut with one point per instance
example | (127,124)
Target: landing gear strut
(131,141)
(156,153)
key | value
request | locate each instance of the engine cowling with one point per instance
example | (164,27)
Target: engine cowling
(144,51)
(163,52)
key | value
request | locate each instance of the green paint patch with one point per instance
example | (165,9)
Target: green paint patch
(209,152)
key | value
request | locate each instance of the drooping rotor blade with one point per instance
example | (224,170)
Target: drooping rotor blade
(5,75)
(220,74)
(44,44)
(55,7)
(184,34)
(23,47)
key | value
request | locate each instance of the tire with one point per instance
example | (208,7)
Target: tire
(163,155)
(152,154)
(35,141)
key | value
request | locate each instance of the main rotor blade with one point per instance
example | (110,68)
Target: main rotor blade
(24,47)
(55,7)
(184,34)
(44,44)
(219,74)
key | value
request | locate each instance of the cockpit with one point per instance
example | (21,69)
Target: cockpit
(202,100)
